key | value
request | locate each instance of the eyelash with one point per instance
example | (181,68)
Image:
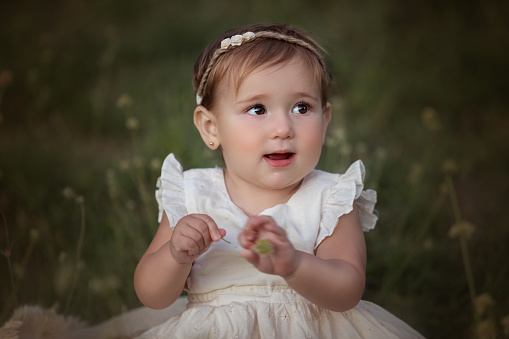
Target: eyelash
(308,107)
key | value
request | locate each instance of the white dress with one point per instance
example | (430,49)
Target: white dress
(229,298)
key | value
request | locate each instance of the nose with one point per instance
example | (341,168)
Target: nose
(281,126)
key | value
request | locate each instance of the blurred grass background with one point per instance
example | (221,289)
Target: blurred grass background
(94,94)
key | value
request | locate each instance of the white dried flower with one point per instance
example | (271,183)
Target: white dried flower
(124,101)
(34,235)
(236,40)
(132,124)
(155,164)
(226,43)
(462,229)
(68,193)
(450,167)
(430,120)
(124,165)
(248,36)
(483,302)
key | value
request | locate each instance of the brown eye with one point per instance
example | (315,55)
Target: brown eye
(256,110)
(301,109)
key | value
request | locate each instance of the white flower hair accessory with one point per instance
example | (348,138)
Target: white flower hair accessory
(226,43)
(238,40)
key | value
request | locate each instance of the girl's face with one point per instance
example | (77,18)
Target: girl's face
(272,129)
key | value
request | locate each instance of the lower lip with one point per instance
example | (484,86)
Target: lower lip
(280,163)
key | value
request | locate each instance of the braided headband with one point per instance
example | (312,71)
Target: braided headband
(238,40)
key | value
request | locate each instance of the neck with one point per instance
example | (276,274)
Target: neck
(252,199)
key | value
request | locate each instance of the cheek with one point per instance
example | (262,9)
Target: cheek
(240,139)
(314,134)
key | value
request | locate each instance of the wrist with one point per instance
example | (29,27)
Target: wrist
(297,263)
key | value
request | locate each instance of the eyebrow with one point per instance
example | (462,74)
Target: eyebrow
(259,97)
(253,98)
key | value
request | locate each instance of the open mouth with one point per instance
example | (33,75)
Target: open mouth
(279,156)
(281,159)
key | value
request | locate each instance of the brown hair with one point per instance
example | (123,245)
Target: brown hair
(274,45)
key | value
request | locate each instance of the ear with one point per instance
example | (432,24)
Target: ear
(205,122)
(326,119)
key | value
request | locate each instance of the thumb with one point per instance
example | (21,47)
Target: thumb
(222,231)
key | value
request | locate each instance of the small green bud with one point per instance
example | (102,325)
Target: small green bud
(263,246)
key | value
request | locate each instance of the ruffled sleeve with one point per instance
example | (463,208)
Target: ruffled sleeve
(170,191)
(347,190)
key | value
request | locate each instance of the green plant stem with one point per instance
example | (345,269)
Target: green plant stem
(464,248)
(79,248)
(9,261)
(454,201)
(469,275)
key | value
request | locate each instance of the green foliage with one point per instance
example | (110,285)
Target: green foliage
(94,95)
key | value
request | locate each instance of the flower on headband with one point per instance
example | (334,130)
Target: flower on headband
(226,43)
(248,36)
(236,40)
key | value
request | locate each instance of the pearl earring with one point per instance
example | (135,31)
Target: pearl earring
(211,143)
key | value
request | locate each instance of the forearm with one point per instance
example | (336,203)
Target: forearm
(333,284)
(159,279)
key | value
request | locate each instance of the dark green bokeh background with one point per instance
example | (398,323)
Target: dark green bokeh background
(420,84)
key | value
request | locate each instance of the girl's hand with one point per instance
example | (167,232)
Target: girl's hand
(192,236)
(282,259)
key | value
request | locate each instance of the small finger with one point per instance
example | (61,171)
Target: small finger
(274,228)
(193,234)
(222,232)
(253,224)
(189,245)
(251,256)
(212,229)
(244,241)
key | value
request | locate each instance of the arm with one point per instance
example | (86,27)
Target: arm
(333,279)
(161,274)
